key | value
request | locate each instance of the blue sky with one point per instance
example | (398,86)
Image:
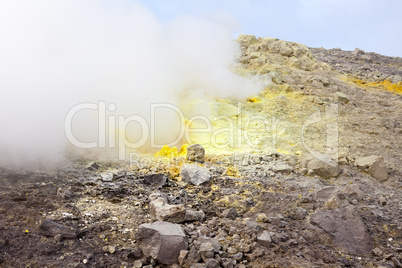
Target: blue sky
(371,25)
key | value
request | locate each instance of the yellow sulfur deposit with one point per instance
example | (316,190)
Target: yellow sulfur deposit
(168,152)
(387,85)
(254,99)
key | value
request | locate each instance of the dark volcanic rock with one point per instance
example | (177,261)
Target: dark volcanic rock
(51,228)
(156,179)
(347,228)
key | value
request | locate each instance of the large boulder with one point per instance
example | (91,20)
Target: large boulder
(162,241)
(196,153)
(194,174)
(347,228)
(374,165)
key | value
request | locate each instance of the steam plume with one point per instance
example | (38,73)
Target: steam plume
(57,54)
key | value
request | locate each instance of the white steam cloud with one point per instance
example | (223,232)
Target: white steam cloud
(57,54)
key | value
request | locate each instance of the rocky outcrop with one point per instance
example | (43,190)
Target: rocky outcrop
(265,52)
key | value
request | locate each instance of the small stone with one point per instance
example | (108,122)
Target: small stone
(196,153)
(182,256)
(252,225)
(156,180)
(232,230)
(215,243)
(192,215)
(207,251)
(107,177)
(212,263)
(92,166)
(232,250)
(342,97)
(332,203)
(377,252)
(230,213)
(238,256)
(111,249)
(282,167)
(138,264)
(382,200)
(193,256)
(227,263)
(264,239)
(310,173)
(261,217)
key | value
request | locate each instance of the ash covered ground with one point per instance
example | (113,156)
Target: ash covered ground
(267,205)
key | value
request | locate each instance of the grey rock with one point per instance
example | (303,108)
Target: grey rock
(107,177)
(230,213)
(182,256)
(347,228)
(207,251)
(194,256)
(215,244)
(323,169)
(374,165)
(156,179)
(51,228)
(342,97)
(198,265)
(232,250)
(238,256)
(227,263)
(138,264)
(195,174)
(111,249)
(264,239)
(377,252)
(92,166)
(161,211)
(196,153)
(326,193)
(282,167)
(162,241)
(192,215)
(212,263)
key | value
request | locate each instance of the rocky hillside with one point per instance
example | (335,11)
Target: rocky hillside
(319,185)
